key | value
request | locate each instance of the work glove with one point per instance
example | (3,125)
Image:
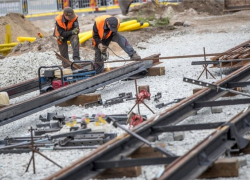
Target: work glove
(102,47)
(75,31)
(60,38)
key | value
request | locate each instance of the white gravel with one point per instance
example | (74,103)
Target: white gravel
(171,86)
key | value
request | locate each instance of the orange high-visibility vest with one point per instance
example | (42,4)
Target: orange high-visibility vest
(63,25)
(100,21)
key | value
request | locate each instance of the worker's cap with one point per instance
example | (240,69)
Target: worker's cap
(68,11)
(113,23)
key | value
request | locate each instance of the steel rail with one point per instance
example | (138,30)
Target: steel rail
(20,110)
(21,88)
(31,85)
(125,144)
(191,165)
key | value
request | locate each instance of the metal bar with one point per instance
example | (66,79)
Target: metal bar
(191,165)
(133,162)
(221,103)
(237,84)
(125,145)
(20,110)
(21,88)
(136,90)
(187,127)
(218,61)
(72,133)
(160,149)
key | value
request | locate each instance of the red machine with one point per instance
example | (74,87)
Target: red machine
(58,83)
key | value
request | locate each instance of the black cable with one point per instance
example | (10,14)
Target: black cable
(117,55)
(123,65)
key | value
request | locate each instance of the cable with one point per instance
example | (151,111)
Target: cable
(117,55)
(123,65)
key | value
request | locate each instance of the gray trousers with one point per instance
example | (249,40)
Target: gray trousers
(122,42)
(63,48)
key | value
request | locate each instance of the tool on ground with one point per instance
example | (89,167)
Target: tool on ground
(54,79)
(166,104)
(121,97)
(213,86)
(135,119)
(160,149)
(157,97)
(33,154)
(140,99)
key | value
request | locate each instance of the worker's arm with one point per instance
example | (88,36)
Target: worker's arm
(96,36)
(68,33)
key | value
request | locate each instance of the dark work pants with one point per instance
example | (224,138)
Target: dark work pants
(63,48)
(122,42)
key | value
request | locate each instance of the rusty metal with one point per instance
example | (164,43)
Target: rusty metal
(68,62)
(233,5)
(238,52)
(84,168)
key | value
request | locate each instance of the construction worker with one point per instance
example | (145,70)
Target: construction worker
(67,29)
(104,31)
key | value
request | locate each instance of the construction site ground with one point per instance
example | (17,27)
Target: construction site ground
(205,25)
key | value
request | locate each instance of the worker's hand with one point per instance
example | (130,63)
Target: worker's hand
(102,47)
(75,31)
(60,38)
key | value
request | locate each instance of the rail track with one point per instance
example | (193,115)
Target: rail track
(192,164)
(16,111)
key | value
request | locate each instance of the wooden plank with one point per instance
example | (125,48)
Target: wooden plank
(120,173)
(81,100)
(228,167)
(147,152)
(156,71)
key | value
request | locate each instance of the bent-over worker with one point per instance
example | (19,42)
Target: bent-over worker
(104,31)
(67,29)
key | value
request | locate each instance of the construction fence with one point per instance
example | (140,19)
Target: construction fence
(46,6)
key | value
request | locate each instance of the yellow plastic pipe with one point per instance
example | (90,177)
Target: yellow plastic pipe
(83,34)
(8,45)
(143,26)
(85,38)
(5,49)
(132,26)
(22,39)
(123,24)
(8,34)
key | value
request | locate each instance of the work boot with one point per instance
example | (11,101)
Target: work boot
(135,56)
(75,59)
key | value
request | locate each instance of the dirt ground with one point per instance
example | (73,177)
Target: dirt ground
(20,26)
(191,15)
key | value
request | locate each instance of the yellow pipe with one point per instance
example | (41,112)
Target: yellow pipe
(5,49)
(143,26)
(22,39)
(8,34)
(8,45)
(83,34)
(129,27)
(85,38)
(123,24)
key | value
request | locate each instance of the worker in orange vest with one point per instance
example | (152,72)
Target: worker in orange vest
(67,29)
(104,31)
